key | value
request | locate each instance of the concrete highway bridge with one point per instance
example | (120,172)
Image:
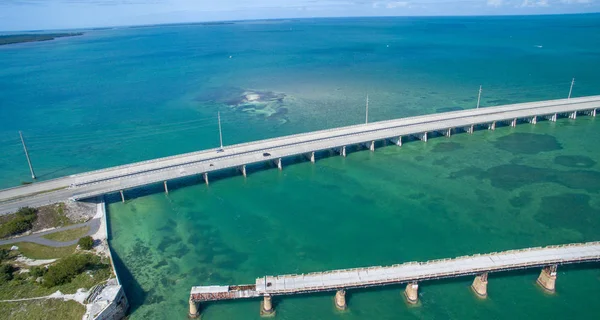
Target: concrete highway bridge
(117,179)
(411,273)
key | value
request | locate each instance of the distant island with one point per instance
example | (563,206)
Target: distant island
(20,38)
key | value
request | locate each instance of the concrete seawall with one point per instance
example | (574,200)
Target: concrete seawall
(107,301)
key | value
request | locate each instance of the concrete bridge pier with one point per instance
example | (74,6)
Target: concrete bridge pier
(594,113)
(397,141)
(166,187)
(573,115)
(343,151)
(513,123)
(312,157)
(554,117)
(372,146)
(421,136)
(492,126)
(449,132)
(279,164)
(266,307)
(547,278)
(340,299)
(194,313)
(533,120)
(412,292)
(479,285)
(122,196)
(243,170)
(205,176)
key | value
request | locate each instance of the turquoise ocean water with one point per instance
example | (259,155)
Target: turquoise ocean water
(119,95)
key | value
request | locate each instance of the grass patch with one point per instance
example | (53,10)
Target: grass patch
(68,235)
(28,288)
(38,251)
(41,309)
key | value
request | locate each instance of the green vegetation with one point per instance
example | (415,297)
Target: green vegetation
(29,288)
(6,273)
(67,268)
(41,310)
(86,243)
(37,271)
(4,254)
(68,235)
(19,38)
(18,223)
(38,251)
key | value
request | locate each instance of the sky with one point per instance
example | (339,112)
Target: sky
(18,15)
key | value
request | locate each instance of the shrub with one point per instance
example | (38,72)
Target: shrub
(3,254)
(6,273)
(86,243)
(36,272)
(67,268)
(21,222)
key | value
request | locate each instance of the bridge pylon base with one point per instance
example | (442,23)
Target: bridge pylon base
(266,307)
(340,300)
(479,285)
(194,313)
(547,278)
(411,293)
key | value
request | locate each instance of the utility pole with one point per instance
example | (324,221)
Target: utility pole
(479,97)
(27,155)
(571,90)
(367,111)
(220,133)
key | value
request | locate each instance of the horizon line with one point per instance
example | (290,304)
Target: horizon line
(2,32)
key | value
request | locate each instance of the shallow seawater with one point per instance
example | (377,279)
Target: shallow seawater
(122,95)
(395,205)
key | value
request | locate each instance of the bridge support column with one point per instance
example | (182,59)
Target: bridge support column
(397,141)
(166,187)
(547,278)
(205,176)
(343,151)
(554,117)
(573,115)
(513,123)
(340,299)
(449,132)
(122,196)
(194,314)
(372,146)
(492,126)
(534,120)
(412,292)
(479,285)
(594,113)
(243,170)
(312,157)
(279,165)
(266,307)
(422,136)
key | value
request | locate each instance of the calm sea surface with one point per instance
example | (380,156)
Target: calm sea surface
(115,96)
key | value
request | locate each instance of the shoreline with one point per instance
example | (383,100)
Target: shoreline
(6,40)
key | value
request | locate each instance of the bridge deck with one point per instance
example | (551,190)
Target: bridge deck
(403,273)
(94,183)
